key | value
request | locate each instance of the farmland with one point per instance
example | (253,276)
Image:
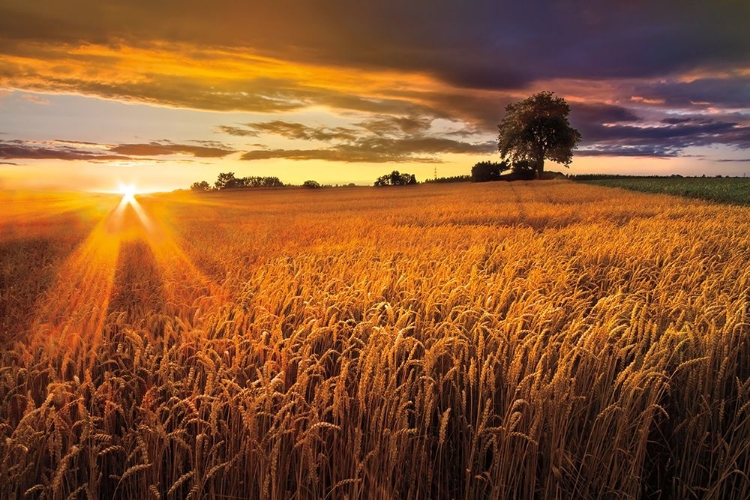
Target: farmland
(722,189)
(503,340)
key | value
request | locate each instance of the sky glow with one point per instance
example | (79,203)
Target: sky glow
(93,95)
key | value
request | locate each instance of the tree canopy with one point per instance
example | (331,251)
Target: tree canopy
(227,180)
(484,171)
(537,129)
(396,178)
(201,186)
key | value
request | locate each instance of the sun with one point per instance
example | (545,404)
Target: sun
(128,193)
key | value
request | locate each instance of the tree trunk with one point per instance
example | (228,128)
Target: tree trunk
(539,168)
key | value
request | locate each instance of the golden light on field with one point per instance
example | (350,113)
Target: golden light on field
(77,304)
(520,340)
(203,296)
(80,300)
(120,221)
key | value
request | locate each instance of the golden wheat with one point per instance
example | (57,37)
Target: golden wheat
(524,340)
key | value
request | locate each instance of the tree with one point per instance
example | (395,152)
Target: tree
(537,129)
(200,186)
(524,170)
(311,184)
(271,182)
(396,178)
(484,171)
(226,180)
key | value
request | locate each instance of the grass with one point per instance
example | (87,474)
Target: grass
(721,189)
(500,340)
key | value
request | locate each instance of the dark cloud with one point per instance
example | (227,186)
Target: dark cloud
(380,139)
(76,143)
(600,113)
(731,92)
(632,151)
(386,125)
(676,121)
(477,44)
(30,151)
(237,131)
(375,149)
(662,140)
(733,160)
(7,163)
(293,130)
(159,149)
(477,56)
(482,110)
(378,125)
(686,134)
(336,154)
(88,151)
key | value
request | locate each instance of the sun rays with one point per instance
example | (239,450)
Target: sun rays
(128,248)
(128,193)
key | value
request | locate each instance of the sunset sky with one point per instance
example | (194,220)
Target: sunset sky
(165,93)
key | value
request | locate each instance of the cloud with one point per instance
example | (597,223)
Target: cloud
(79,143)
(237,131)
(380,139)
(378,125)
(380,150)
(293,130)
(669,138)
(368,147)
(34,151)
(88,151)
(676,120)
(159,149)
(728,92)
(385,125)
(625,66)
(337,154)
(601,113)
(476,44)
(631,151)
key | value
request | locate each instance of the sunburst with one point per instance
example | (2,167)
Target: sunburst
(128,192)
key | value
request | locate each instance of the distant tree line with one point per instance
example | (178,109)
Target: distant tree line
(448,180)
(396,178)
(227,180)
(596,177)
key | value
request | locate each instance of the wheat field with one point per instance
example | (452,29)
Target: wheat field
(504,340)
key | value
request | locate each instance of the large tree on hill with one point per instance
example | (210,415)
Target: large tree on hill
(537,129)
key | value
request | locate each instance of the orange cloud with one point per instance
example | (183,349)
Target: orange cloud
(217,79)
